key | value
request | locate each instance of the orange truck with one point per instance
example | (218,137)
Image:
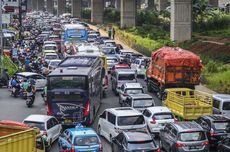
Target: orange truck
(173,68)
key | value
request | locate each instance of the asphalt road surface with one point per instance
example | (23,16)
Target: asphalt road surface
(15,109)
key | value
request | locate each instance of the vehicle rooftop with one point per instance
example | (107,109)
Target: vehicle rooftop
(37,118)
(132,136)
(216,118)
(133,85)
(51,54)
(184,126)
(70,71)
(159,109)
(125,71)
(225,97)
(26,73)
(82,131)
(124,111)
(141,96)
(79,61)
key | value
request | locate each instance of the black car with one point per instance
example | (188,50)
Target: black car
(224,145)
(217,127)
(134,140)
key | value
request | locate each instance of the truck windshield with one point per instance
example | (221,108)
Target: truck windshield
(39,125)
(67,82)
(130,120)
(139,103)
(192,136)
(86,141)
(126,77)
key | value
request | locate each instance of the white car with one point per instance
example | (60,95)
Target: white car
(48,125)
(128,89)
(51,56)
(139,66)
(53,64)
(92,37)
(40,80)
(157,117)
(112,121)
(50,47)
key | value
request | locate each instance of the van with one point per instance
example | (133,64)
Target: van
(221,104)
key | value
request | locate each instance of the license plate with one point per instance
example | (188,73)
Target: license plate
(68,121)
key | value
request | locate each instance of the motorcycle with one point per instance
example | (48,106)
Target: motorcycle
(30,99)
(15,91)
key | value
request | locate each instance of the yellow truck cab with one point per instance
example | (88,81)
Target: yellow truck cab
(188,104)
(21,139)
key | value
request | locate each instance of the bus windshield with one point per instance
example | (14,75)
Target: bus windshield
(67,82)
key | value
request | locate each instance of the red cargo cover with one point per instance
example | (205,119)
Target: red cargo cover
(168,56)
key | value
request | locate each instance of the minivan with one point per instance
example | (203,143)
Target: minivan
(221,104)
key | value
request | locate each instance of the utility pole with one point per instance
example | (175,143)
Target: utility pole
(1,39)
(20,19)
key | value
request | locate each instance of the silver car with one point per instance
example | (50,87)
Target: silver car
(183,137)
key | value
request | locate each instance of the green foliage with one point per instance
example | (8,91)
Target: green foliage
(212,67)
(224,33)
(111,15)
(86,13)
(8,64)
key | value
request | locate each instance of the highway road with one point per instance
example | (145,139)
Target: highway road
(15,109)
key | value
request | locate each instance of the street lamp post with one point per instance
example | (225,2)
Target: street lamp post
(1,39)
(20,19)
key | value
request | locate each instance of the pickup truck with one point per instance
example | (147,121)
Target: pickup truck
(16,137)
(188,104)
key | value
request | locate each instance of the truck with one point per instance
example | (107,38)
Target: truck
(188,104)
(17,137)
(172,68)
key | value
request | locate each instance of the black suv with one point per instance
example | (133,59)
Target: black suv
(134,140)
(217,127)
(224,145)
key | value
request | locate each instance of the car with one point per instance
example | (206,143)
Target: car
(51,56)
(221,104)
(92,37)
(139,101)
(53,64)
(119,66)
(48,125)
(224,145)
(50,47)
(102,38)
(123,53)
(48,51)
(79,139)
(110,51)
(122,76)
(128,89)
(113,120)
(157,117)
(140,66)
(216,126)
(183,137)
(111,61)
(134,140)
(47,43)
(109,43)
(40,80)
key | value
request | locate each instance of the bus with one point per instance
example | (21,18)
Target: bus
(74,90)
(75,32)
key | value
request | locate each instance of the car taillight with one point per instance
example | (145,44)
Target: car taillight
(86,111)
(49,110)
(100,148)
(153,120)
(72,148)
(158,150)
(44,133)
(180,145)
(205,143)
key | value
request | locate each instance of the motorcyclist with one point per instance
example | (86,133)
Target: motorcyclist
(15,86)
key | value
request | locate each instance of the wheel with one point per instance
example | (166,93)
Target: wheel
(149,88)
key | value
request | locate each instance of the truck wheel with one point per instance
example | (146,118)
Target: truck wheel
(149,88)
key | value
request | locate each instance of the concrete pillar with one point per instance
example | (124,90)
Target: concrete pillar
(29,5)
(181,20)
(163,4)
(97,9)
(40,5)
(34,5)
(50,6)
(151,4)
(118,4)
(214,3)
(128,13)
(76,8)
(61,7)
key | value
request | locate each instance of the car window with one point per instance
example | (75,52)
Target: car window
(54,121)
(122,87)
(163,116)
(147,113)
(103,115)
(216,104)
(130,120)
(111,118)
(226,105)
(192,136)
(120,137)
(40,125)
(49,124)
(86,140)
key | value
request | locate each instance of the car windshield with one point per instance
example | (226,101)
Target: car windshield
(39,125)
(110,44)
(108,51)
(130,120)
(86,141)
(163,116)
(139,103)
(226,106)
(221,125)
(192,136)
(50,57)
(50,48)
(142,146)
(134,91)
(126,77)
